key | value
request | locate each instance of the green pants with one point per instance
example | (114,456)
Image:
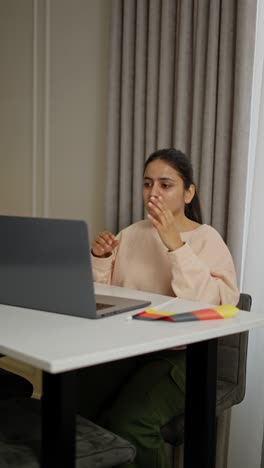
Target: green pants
(134,398)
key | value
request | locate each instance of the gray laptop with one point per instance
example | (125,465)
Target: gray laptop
(45,265)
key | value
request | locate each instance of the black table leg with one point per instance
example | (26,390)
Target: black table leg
(58,420)
(200,405)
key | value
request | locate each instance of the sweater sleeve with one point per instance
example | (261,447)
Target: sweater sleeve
(102,269)
(207,275)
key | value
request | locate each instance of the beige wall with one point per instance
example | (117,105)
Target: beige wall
(53,99)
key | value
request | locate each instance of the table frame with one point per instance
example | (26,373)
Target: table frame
(58,420)
(59,412)
(200,405)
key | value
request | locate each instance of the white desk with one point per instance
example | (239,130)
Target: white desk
(59,344)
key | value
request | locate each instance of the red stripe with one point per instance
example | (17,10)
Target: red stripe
(149,315)
(207,314)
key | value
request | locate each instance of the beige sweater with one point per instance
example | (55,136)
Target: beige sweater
(201,270)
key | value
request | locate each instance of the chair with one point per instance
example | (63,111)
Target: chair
(20,432)
(20,439)
(231,386)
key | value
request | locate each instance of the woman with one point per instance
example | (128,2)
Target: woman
(171,253)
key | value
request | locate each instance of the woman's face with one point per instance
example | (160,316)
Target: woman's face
(160,179)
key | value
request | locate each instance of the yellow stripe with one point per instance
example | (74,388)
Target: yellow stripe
(226,310)
(159,312)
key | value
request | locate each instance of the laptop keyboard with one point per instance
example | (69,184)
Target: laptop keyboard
(100,306)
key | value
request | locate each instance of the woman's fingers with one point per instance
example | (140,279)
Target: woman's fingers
(104,239)
(160,209)
(153,220)
(104,243)
(163,220)
(98,250)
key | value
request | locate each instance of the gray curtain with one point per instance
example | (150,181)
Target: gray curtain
(180,75)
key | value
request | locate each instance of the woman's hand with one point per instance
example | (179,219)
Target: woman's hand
(103,244)
(165,223)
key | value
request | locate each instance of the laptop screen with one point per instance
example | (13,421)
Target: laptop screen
(45,264)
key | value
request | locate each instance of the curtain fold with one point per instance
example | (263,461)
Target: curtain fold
(225,115)
(180,75)
(114,117)
(166,74)
(152,74)
(244,53)
(140,106)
